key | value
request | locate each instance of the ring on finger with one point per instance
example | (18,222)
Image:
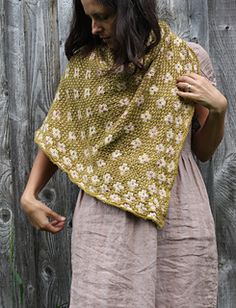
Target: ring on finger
(189,88)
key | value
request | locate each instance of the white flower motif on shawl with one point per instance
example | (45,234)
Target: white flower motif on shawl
(161,178)
(79,114)
(136,143)
(167,40)
(178,67)
(101,163)
(92,189)
(68,94)
(76,94)
(61,147)
(174,91)
(99,73)
(107,178)
(39,136)
(69,116)
(76,72)
(56,133)
(116,154)
(118,187)
(143,195)
(45,127)
(121,86)
(167,78)
(177,105)
(88,74)
(144,159)
(188,68)
(104,189)
(179,138)
(95,149)
(178,41)
(100,90)
(74,174)
(92,56)
(183,54)
(162,193)
(153,132)
(124,102)
(56,115)
(95,179)
(152,214)
(170,151)
(151,73)
(82,135)
(48,140)
(124,168)
(132,184)
(129,128)
(92,131)
(141,208)
(140,101)
(153,90)
(72,136)
(161,103)
(179,121)
(89,112)
(108,139)
(115,198)
(90,169)
(151,174)
(169,55)
(86,153)
(169,119)
(67,71)
(102,108)
(109,126)
(171,166)
(87,92)
(57,96)
(80,167)
(54,153)
(160,148)
(85,178)
(67,161)
(152,188)
(146,116)
(170,135)
(161,163)
(73,154)
(129,197)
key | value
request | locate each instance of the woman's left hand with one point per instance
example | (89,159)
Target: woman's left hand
(200,90)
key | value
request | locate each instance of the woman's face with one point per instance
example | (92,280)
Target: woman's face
(102,20)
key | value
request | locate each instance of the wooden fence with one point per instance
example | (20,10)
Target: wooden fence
(35,267)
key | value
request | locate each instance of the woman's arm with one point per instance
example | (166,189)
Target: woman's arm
(210,106)
(37,212)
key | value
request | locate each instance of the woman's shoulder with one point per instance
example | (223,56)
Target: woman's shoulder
(206,66)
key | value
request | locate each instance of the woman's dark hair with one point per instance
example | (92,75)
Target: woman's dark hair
(134,21)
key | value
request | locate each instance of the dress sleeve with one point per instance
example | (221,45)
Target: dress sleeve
(206,67)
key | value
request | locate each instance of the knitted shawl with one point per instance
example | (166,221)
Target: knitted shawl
(118,135)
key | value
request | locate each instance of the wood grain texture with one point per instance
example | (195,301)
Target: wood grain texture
(7,231)
(222,16)
(35,268)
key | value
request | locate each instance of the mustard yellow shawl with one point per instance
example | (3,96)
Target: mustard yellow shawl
(119,136)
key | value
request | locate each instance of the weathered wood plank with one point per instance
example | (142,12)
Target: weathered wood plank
(7,286)
(222,24)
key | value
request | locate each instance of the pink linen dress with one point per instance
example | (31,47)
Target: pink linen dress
(121,261)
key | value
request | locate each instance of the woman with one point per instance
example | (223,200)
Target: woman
(120,127)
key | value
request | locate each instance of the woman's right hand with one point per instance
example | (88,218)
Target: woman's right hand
(41,216)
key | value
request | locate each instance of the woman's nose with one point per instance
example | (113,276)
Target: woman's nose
(96,28)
